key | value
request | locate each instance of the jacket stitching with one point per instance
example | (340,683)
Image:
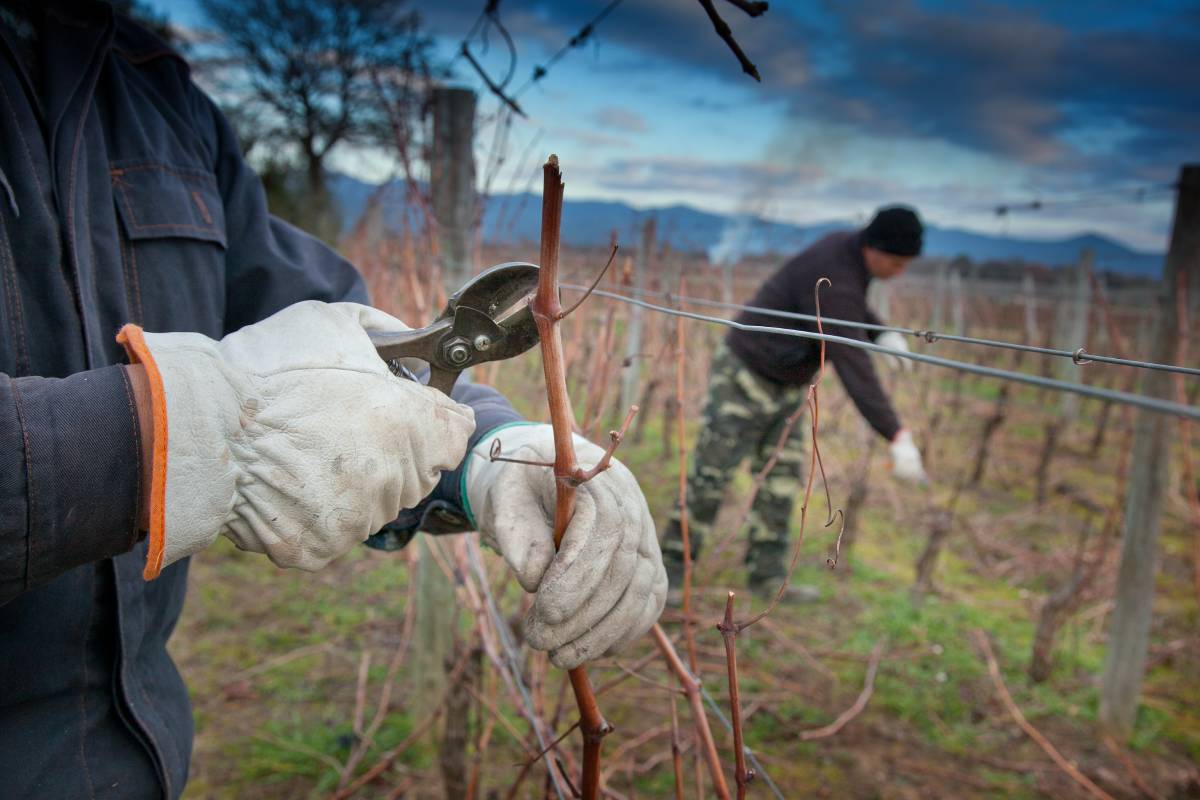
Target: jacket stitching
(91,240)
(144,166)
(83,726)
(25,144)
(73,255)
(17,312)
(95,67)
(37,180)
(140,226)
(125,270)
(137,282)
(152,709)
(30,491)
(208,220)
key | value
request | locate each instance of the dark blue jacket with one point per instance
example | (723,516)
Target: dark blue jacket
(123,198)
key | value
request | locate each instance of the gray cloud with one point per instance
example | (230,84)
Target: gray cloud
(620,119)
(701,177)
(1000,80)
(1007,82)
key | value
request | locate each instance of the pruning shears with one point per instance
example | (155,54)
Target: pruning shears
(488,319)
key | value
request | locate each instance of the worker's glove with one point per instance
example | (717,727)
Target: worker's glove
(906,458)
(606,585)
(290,436)
(896,341)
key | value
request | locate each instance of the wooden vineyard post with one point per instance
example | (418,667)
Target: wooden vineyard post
(453,181)
(1125,661)
(1075,328)
(1070,331)
(453,190)
(633,342)
(1029,302)
(939,297)
(958,302)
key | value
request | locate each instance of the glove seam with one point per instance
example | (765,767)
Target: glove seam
(462,480)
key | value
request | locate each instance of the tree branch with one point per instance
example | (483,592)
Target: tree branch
(1033,733)
(595,283)
(729,632)
(491,85)
(704,739)
(722,29)
(859,704)
(754,9)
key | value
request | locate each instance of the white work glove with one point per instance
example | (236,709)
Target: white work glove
(896,341)
(607,585)
(291,436)
(906,458)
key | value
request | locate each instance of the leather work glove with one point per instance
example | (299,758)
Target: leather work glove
(906,458)
(290,436)
(896,341)
(607,585)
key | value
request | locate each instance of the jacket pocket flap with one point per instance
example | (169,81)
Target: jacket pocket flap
(161,200)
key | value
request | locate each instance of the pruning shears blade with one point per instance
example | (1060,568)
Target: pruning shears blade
(488,319)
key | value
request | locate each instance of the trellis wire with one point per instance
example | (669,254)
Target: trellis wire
(1095,392)
(1079,356)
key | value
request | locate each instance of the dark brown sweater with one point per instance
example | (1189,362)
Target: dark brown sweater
(791,361)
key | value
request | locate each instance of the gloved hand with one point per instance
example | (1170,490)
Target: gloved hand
(607,585)
(906,458)
(289,436)
(896,341)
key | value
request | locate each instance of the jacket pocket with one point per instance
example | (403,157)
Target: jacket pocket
(160,200)
(173,244)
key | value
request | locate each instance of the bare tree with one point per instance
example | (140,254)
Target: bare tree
(316,74)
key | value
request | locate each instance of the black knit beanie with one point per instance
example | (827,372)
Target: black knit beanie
(896,230)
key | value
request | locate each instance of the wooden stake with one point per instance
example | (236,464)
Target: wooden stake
(1125,662)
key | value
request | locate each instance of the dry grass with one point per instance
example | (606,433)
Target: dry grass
(272,657)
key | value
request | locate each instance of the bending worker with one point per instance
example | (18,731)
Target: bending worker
(757,380)
(242,398)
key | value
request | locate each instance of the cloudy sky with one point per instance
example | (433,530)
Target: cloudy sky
(954,107)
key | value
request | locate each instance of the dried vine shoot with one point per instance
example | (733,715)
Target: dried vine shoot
(815,465)
(548,312)
(1033,733)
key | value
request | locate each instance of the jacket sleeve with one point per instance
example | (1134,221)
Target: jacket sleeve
(69,471)
(854,364)
(271,264)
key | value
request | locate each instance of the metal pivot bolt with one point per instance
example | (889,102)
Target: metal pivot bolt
(458,352)
(482,342)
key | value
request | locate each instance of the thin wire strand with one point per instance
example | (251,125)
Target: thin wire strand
(759,772)
(1088,198)
(1079,355)
(581,36)
(1095,392)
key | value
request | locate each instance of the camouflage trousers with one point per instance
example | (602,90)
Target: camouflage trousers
(743,418)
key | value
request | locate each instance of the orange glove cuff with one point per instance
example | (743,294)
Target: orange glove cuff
(130,336)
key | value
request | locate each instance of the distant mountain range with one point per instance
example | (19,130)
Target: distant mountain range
(517,217)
